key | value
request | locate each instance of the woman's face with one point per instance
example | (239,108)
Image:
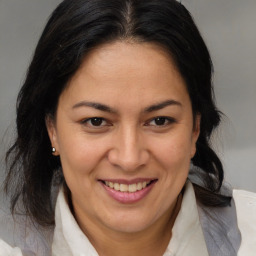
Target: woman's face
(124,132)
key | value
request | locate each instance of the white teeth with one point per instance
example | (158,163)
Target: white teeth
(127,188)
(123,187)
(139,186)
(132,188)
(116,186)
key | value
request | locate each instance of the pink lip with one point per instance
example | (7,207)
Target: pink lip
(127,197)
(128,182)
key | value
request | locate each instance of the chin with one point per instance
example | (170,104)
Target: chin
(130,222)
(134,227)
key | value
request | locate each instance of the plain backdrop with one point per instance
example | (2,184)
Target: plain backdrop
(229,29)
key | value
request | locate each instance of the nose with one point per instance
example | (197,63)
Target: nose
(128,150)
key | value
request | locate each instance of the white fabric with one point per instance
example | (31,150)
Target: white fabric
(246,215)
(187,233)
(187,239)
(68,238)
(20,232)
(6,250)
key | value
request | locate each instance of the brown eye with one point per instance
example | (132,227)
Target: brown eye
(96,121)
(160,121)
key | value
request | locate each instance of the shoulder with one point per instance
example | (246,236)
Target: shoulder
(18,234)
(246,216)
(246,198)
(7,250)
(246,206)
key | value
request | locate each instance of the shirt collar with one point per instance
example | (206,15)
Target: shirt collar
(187,236)
(68,238)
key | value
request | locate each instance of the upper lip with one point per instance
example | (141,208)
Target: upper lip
(128,182)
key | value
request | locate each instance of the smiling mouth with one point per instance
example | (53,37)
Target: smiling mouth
(130,188)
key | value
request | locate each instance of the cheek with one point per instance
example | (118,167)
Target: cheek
(175,151)
(80,155)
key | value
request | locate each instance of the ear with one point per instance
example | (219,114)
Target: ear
(52,133)
(195,134)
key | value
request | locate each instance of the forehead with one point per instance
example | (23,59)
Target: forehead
(134,70)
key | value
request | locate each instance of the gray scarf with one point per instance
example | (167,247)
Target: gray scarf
(219,224)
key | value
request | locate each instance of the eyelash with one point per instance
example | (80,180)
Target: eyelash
(167,121)
(86,121)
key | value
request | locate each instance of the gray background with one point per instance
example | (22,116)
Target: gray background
(229,29)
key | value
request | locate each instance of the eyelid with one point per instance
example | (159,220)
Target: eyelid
(87,120)
(169,119)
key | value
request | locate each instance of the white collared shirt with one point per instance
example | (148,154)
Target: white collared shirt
(187,235)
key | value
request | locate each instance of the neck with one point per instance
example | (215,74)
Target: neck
(151,241)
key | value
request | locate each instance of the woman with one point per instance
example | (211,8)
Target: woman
(116,114)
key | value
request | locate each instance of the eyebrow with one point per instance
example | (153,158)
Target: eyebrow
(105,108)
(95,105)
(162,105)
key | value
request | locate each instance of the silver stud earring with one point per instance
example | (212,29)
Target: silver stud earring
(53,150)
